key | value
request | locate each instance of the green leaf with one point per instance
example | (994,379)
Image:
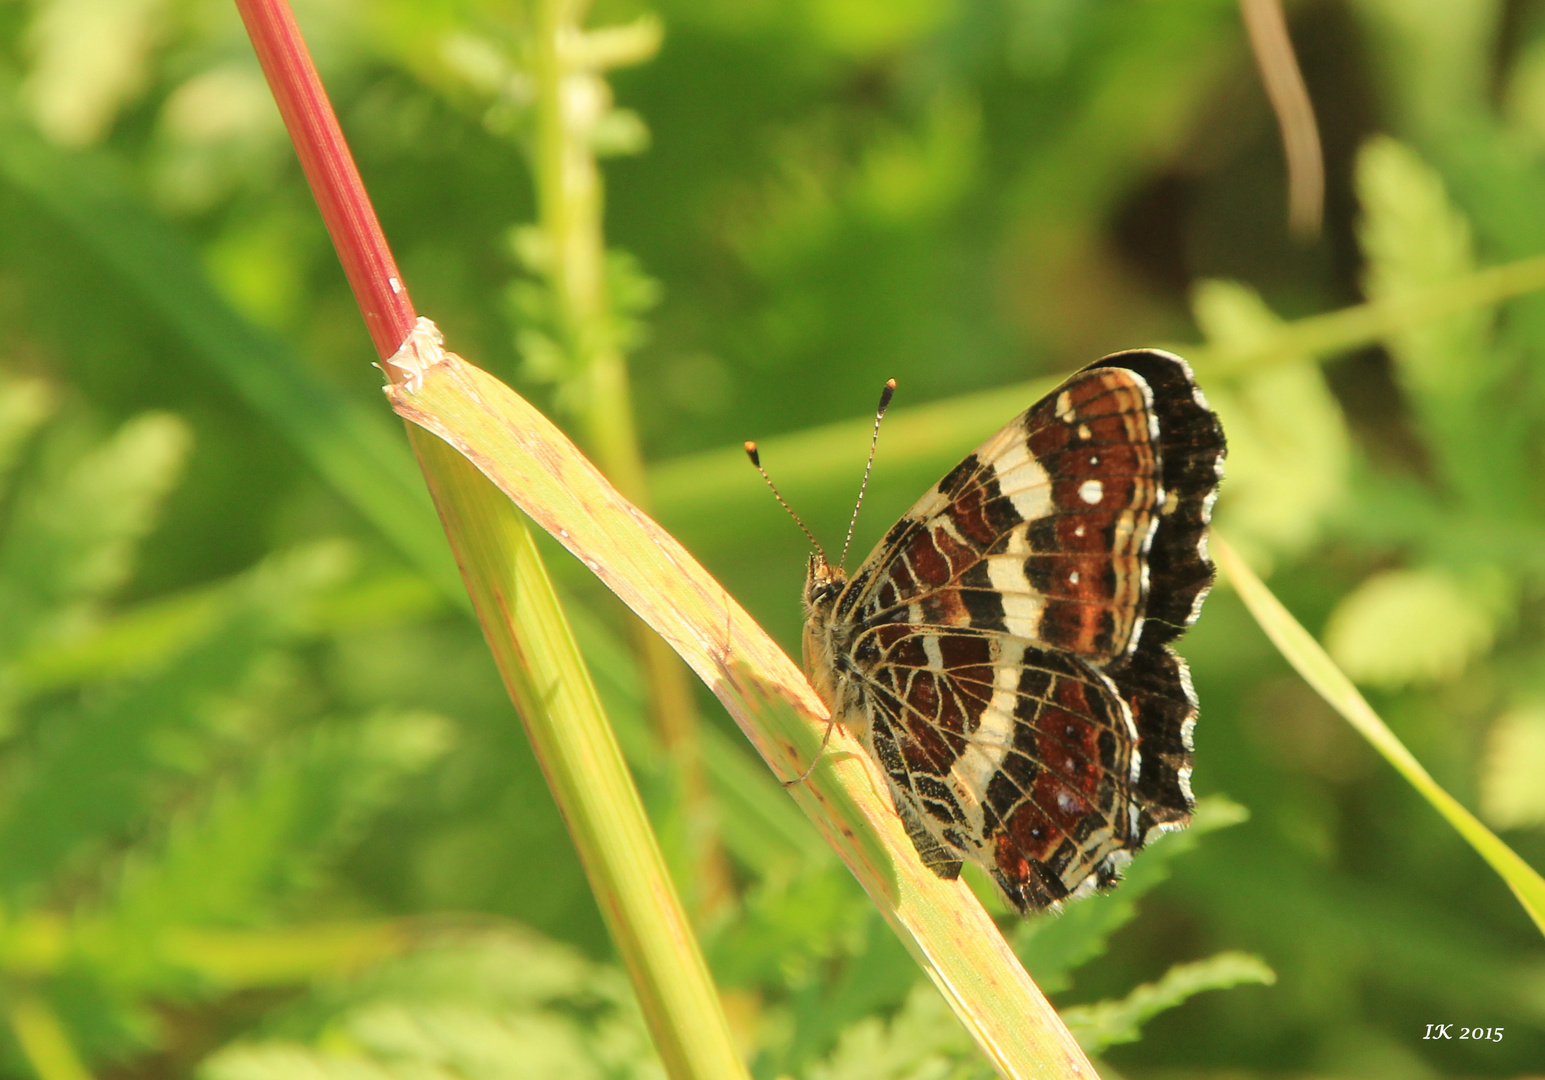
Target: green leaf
(73,534)
(1108,1023)
(1414,238)
(921,1042)
(496,1004)
(1052,946)
(1402,627)
(1289,450)
(249,847)
(1512,794)
(788,927)
(92,772)
(134,643)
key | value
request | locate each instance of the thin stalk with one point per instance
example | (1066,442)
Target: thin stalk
(1363,324)
(521,620)
(1289,97)
(570,197)
(43,1041)
(936,435)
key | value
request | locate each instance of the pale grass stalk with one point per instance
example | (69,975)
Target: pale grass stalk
(43,1041)
(940,922)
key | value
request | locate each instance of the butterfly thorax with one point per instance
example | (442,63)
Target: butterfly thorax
(825,638)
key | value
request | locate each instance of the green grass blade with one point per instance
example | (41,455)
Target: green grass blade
(546,677)
(1319,671)
(43,1040)
(942,924)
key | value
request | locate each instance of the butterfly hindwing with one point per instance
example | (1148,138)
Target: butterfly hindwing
(1020,758)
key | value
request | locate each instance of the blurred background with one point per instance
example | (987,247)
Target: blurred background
(265,809)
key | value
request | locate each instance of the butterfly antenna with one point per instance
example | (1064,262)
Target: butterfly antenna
(874,440)
(756,459)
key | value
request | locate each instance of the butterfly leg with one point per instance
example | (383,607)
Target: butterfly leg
(820,752)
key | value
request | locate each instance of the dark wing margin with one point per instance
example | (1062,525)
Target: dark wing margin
(1155,682)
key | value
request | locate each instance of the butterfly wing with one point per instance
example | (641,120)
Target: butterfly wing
(1009,637)
(1017,757)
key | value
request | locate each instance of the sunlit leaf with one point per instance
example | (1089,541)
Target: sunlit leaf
(24,405)
(1409,626)
(89,58)
(1512,791)
(1110,1022)
(1289,450)
(1413,237)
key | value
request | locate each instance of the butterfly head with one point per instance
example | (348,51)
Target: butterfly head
(823,583)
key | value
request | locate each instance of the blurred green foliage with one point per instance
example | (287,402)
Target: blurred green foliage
(252,754)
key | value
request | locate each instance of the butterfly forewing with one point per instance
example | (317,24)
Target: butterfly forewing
(1040,532)
(1004,650)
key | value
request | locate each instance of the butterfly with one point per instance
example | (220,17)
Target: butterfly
(1005,654)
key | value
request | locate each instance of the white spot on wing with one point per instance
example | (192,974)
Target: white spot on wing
(931,650)
(1091,491)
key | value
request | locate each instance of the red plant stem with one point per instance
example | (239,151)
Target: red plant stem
(340,194)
